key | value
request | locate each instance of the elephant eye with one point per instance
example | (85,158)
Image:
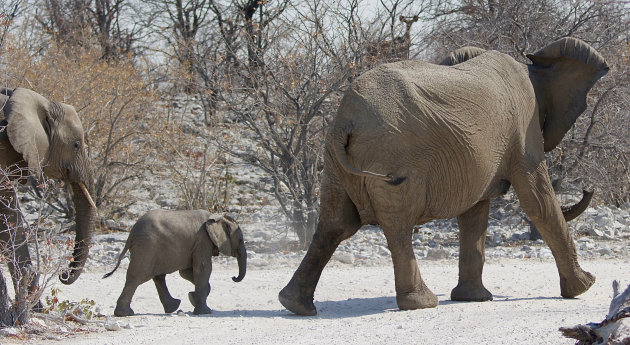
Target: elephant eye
(77,144)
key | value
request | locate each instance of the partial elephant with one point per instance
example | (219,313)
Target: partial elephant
(162,242)
(413,142)
(460,55)
(43,137)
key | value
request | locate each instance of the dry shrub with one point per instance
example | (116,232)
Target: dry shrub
(192,162)
(113,100)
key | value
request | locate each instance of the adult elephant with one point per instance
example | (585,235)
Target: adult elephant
(413,142)
(43,137)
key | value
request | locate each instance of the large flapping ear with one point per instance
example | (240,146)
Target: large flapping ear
(215,226)
(462,54)
(28,125)
(562,74)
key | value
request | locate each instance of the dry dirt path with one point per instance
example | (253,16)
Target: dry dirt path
(356,306)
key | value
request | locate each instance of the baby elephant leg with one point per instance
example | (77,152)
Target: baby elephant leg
(170,304)
(123,305)
(188,275)
(201,277)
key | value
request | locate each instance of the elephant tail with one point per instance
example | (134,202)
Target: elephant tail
(120,256)
(339,144)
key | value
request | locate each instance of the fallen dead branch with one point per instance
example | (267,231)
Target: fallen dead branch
(613,330)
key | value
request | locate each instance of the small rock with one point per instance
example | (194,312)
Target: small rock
(602,221)
(609,234)
(111,324)
(111,224)
(258,262)
(9,331)
(526,249)
(127,326)
(437,253)
(604,251)
(346,258)
(38,322)
(383,251)
(595,232)
(497,240)
(524,236)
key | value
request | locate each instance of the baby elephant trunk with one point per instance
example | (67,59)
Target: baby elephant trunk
(241,257)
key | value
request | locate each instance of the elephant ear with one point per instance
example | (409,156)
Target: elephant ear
(562,74)
(216,228)
(4,98)
(462,54)
(28,125)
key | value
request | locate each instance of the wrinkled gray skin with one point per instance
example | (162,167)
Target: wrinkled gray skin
(162,242)
(39,136)
(413,142)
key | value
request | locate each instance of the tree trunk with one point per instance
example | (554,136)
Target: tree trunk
(7,316)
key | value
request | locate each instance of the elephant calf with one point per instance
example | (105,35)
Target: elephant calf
(163,242)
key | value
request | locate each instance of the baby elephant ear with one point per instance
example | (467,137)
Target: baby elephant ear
(218,235)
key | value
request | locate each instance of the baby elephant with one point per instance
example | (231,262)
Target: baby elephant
(163,242)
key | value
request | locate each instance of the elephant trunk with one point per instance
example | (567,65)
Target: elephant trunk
(573,211)
(85,222)
(242,263)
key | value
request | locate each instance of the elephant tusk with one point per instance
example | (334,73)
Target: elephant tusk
(87,195)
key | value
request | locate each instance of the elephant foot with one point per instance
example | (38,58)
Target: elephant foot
(580,283)
(470,293)
(202,310)
(291,299)
(123,311)
(171,306)
(421,298)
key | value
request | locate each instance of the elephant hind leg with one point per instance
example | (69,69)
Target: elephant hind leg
(472,236)
(338,220)
(411,291)
(123,305)
(539,202)
(169,303)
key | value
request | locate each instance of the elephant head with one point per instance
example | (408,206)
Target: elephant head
(48,136)
(227,237)
(562,73)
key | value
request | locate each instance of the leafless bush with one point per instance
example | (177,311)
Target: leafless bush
(83,23)
(196,167)
(22,226)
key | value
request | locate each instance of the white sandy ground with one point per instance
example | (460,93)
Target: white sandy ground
(356,306)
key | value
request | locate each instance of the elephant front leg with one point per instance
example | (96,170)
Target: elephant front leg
(201,279)
(472,236)
(539,202)
(169,303)
(411,292)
